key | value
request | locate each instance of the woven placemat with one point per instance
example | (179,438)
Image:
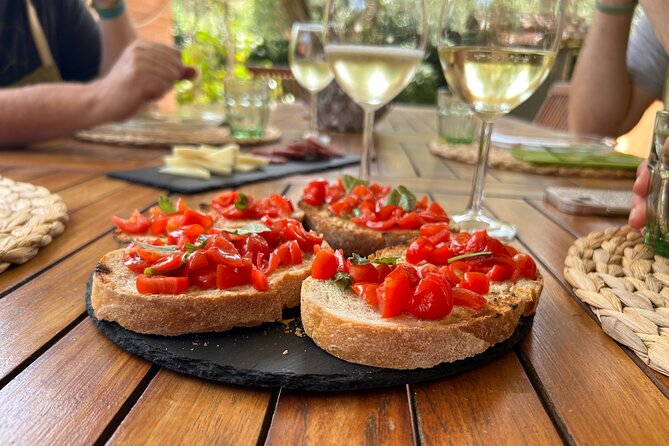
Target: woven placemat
(167,136)
(627,287)
(502,159)
(30,217)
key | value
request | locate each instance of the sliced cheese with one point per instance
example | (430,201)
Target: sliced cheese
(192,172)
(253,160)
(241,167)
(225,156)
(188,152)
(173,161)
(213,168)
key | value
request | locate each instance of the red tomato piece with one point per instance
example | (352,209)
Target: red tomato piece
(324,265)
(526,265)
(410,220)
(283,252)
(170,262)
(477,242)
(467,298)
(314,193)
(192,217)
(272,263)
(204,278)
(476,282)
(342,264)
(441,254)
(136,224)
(419,250)
(159,225)
(136,263)
(459,268)
(197,259)
(430,229)
(295,252)
(450,275)
(221,257)
(367,291)
(259,280)
(394,293)
(428,268)
(497,273)
(161,284)
(230,277)
(383,270)
(432,298)
(412,274)
(363,273)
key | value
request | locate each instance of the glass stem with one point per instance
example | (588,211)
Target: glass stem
(476,197)
(367,144)
(313,113)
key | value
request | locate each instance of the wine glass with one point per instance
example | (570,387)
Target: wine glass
(307,63)
(495,53)
(374,48)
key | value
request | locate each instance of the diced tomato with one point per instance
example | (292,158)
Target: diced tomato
(324,265)
(459,268)
(363,273)
(441,254)
(197,259)
(136,263)
(383,270)
(314,193)
(430,229)
(511,250)
(467,298)
(432,298)
(221,257)
(174,222)
(435,209)
(367,291)
(295,252)
(192,217)
(254,245)
(203,277)
(497,273)
(476,282)
(526,265)
(419,250)
(190,232)
(230,277)
(136,224)
(159,225)
(477,241)
(283,252)
(394,293)
(181,205)
(410,220)
(259,280)
(168,263)
(342,264)
(412,274)
(459,242)
(428,268)
(450,275)
(273,263)
(383,225)
(161,284)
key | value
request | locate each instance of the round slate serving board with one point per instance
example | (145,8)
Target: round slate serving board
(274,355)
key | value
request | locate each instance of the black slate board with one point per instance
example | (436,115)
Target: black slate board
(183,185)
(255,357)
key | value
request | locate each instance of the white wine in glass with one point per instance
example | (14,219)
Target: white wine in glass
(495,54)
(306,58)
(374,48)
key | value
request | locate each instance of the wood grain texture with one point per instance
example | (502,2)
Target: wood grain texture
(71,393)
(363,418)
(495,403)
(178,409)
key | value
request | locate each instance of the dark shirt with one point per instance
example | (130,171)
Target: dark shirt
(72,33)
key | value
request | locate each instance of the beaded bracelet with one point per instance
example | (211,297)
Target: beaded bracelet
(111,12)
(615,9)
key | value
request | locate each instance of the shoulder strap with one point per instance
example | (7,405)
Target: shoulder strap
(38,35)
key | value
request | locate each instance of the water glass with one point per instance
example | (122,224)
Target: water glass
(247,107)
(657,201)
(455,119)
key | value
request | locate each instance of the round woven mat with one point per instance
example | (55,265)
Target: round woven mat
(503,159)
(627,287)
(167,136)
(30,217)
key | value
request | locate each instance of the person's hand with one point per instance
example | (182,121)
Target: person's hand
(144,72)
(637,218)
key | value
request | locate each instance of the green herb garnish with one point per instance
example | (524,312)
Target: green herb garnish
(469,255)
(349,182)
(401,196)
(358,260)
(357,212)
(251,228)
(167,249)
(199,244)
(243,201)
(166,204)
(342,279)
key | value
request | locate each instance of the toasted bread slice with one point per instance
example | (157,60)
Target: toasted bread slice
(344,325)
(114,297)
(342,233)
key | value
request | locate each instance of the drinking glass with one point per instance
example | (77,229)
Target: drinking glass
(495,53)
(374,48)
(306,58)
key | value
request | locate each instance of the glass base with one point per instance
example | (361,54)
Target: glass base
(472,221)
(323,138)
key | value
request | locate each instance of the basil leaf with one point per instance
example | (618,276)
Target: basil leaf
(342,279)
(349,182)
(393,198)
(166,204)
(469,255)
(357,212)
(243,202)
(407,199)
(251,228)
(358,260)
(199,244)
(168,249)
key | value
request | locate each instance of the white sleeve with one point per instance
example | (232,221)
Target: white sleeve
(647,60)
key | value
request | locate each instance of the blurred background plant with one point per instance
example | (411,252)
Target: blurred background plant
(218,34)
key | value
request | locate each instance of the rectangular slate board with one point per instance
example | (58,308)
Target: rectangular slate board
(183,185)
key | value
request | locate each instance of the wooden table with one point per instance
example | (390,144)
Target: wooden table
(63,382)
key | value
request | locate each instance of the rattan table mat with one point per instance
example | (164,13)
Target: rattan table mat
(30,217)
(167,136)
(627,287)
(502,159)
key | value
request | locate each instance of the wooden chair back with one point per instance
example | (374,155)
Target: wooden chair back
(553,112)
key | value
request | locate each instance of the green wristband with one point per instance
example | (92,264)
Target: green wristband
(615,10)
(112,12)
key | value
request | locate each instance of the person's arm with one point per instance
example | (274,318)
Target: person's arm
(144,72)
(117,33)
(602,98)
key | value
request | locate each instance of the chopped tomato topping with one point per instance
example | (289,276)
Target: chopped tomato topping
(468,298)
(161,284)
(325,265)
(393,294)
(367,291)
(476,282)
(136,224)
